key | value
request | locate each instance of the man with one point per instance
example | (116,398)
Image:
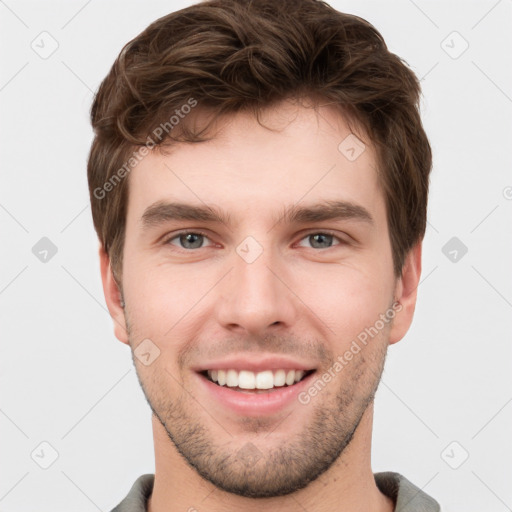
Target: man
(259,180)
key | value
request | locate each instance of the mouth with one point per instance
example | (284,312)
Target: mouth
(255,384)
(249,382)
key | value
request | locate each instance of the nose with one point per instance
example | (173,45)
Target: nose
(255,297)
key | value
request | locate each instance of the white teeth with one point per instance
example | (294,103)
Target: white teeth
(279,378)
(232,378)
(246,379)
(265,380)
(221,377)
(298,375)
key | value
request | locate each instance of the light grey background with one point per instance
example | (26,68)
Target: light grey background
(66,380)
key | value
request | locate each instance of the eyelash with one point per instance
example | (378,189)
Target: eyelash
(168,240)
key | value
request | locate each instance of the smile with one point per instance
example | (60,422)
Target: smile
(246,380)
(266,392)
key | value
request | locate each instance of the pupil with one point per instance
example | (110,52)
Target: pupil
(321,238)
(189,238)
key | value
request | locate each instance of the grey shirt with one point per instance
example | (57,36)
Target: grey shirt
(407,497)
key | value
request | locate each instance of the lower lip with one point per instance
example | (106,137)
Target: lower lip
(256,404)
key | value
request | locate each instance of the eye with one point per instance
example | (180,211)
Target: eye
(322,240)
(188,240)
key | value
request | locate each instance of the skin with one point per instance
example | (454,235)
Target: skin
(296,299)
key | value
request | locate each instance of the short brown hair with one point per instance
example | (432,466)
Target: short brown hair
(229,55)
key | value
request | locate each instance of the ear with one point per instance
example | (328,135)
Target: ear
(405,293)
(113,297)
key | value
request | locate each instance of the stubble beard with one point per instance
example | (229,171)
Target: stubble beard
(249,468)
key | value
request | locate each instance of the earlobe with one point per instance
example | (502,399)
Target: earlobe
(113,297)
(406,293)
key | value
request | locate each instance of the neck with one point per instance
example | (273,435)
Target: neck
(349,482)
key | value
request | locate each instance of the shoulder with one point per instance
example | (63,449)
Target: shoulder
(137,497)
(407,497)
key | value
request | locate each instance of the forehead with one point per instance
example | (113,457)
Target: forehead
(294,155)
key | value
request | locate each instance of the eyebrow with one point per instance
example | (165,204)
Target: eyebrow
(161,212)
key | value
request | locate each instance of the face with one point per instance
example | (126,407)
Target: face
(293,267)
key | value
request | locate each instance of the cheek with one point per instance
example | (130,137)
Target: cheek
(165,299)
(345,299)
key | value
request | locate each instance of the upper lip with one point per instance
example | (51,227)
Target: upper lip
(255,363)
